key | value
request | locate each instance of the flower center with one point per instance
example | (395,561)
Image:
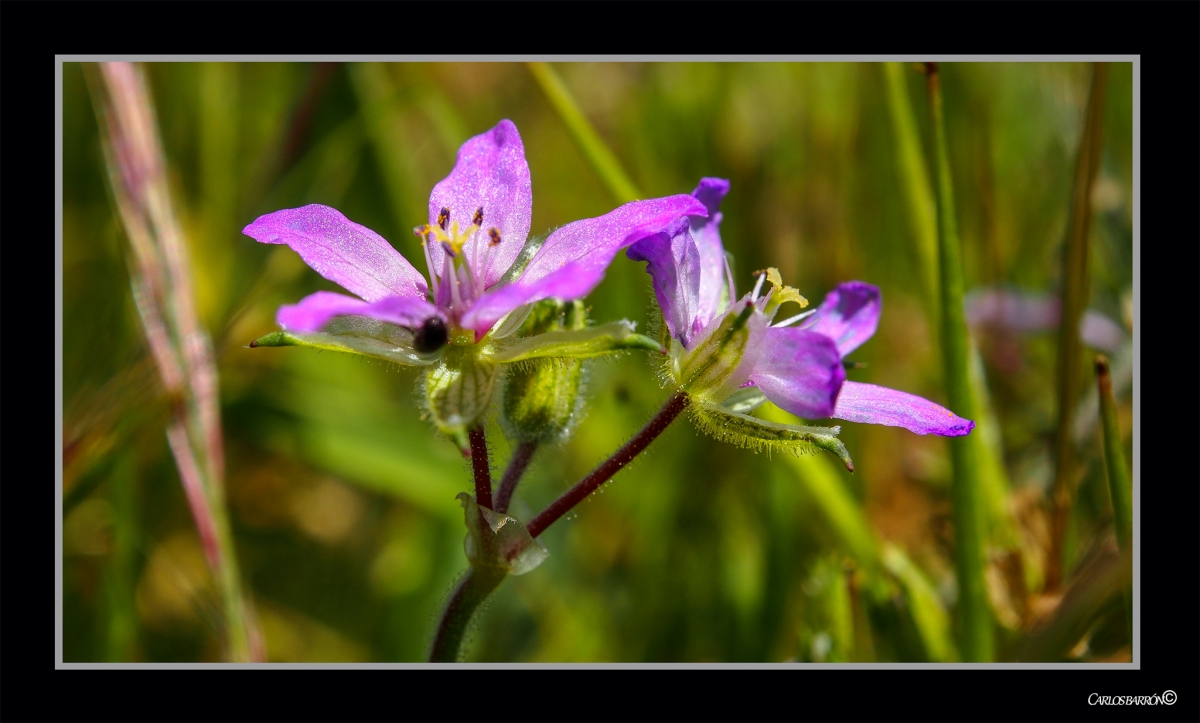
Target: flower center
(464,271)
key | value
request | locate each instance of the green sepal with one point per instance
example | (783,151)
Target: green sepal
(458,391)
(706,370)
(354,335)
(608,338)
(498,543)
(745,400)
(759,434)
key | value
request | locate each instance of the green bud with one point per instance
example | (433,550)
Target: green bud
(498,543)
(458,391)
(541,394)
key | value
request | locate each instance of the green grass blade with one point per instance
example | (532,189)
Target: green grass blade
(975,618)
(602,160)
(1119,487)
(920,207)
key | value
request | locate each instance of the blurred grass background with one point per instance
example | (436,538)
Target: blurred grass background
(342,499)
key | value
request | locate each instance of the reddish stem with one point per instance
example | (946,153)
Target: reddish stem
(610,466)
(516,467)
(479,463)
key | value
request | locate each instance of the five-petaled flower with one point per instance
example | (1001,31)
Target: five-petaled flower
(730,354)
(479,220)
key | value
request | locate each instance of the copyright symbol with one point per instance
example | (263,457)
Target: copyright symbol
(1169,697)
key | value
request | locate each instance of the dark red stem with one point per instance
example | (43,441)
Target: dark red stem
(516,467)
(479,463)
(610,466)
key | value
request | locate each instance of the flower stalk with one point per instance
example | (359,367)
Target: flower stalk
(480,581)
(481,466)
(623,456)
(521,458)
(969,528)
(472,590)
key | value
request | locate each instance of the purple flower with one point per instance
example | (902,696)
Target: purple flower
(479,218)
(732,354)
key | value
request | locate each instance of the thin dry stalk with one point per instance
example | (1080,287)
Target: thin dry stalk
(162,290)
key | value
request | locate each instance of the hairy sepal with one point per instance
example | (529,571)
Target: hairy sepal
(757,434)
(608,338)
(355,335)
(497,543)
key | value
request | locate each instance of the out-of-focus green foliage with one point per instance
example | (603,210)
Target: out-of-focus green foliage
(343,499)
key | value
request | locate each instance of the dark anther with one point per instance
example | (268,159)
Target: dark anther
(430,336)
(449,249)
(494,235)
(478,220)
(444,218)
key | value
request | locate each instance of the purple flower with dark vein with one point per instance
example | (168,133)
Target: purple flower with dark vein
(732,354)
(479,219)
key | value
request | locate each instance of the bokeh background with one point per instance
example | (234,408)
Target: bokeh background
(342,500)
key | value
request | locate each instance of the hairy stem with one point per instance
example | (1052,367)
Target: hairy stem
(472,590)
(481,466)
(516,467)
(610,466)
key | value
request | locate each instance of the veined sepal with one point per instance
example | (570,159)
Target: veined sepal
(608,338)
(497,543)
(710,369)
(744,400)
(757,434)
(355,335)
(458,391)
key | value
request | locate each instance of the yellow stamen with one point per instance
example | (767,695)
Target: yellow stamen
(782,294)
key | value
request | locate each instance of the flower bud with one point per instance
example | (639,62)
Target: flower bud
(541,396)
(458,391)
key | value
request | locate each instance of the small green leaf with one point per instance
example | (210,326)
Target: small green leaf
(759,434)
(497,542)
(354,335)
(608,338)
(458,391)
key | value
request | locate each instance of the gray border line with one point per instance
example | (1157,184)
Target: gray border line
(1136,662)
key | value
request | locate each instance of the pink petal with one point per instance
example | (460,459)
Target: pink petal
(849,315)
(871,404)
(352,256)
(574,258)
(315,310)
(800,371)
(490,173)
